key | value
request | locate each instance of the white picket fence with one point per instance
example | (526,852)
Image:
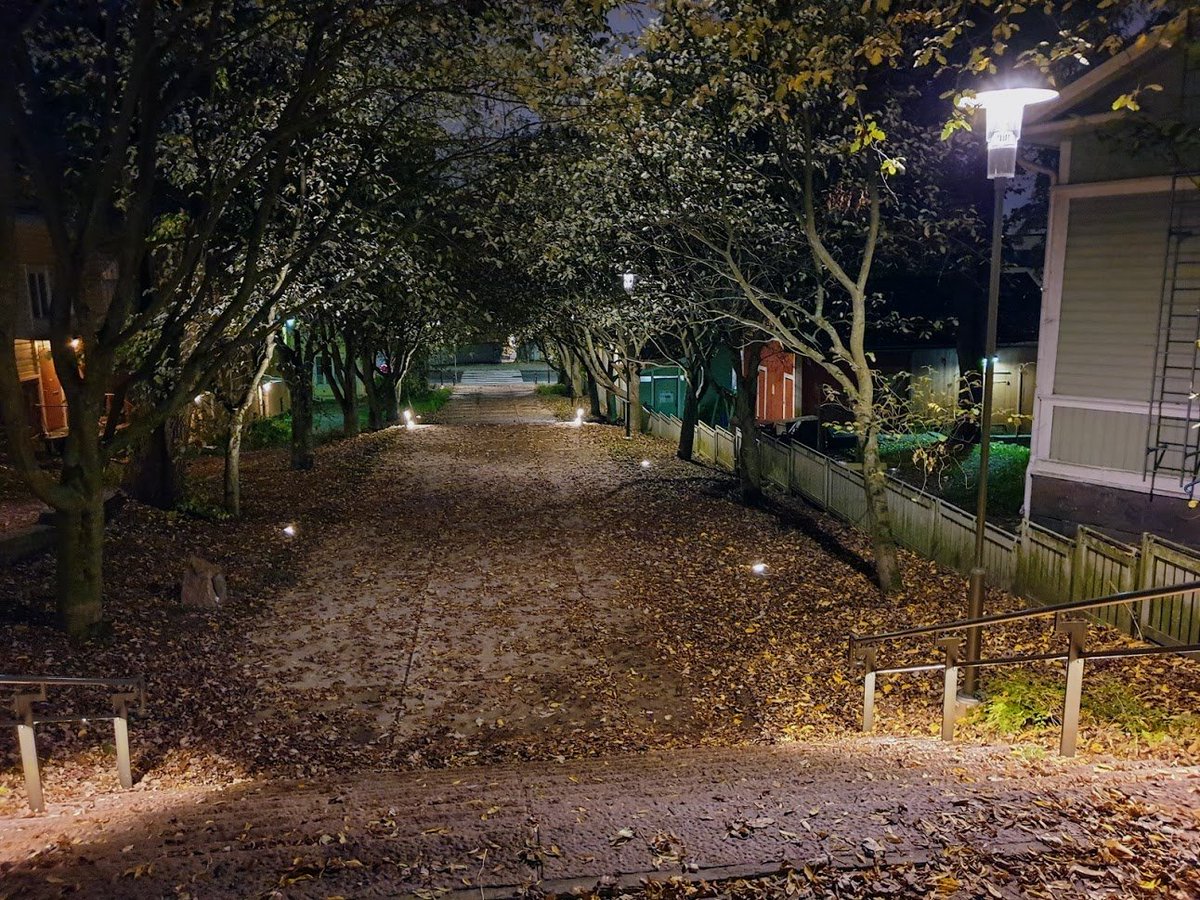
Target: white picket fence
(1036,563)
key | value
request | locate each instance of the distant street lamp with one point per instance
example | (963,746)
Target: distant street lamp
(629,281)
(1004,110)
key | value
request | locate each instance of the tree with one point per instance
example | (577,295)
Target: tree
(160,145)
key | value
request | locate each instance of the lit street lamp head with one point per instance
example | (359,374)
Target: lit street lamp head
(1004,110)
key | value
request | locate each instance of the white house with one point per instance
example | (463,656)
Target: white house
(1116,438)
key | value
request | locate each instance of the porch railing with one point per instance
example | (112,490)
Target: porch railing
(949,638)
(30,689)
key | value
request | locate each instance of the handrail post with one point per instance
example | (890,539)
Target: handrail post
(23,706)
(866,655)
(1076,631)
(951,645)
(121,738)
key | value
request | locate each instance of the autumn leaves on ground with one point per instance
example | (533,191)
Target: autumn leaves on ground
(458,595)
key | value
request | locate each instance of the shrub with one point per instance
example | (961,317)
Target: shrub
(552,390)
(262,434)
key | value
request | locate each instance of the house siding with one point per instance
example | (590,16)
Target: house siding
(1099,437)
(1111,293)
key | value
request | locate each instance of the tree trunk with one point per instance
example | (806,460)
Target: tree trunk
(156,477)
(879,517)
(633,384)
(687,426)
(80,535)
(233,462)
(593,393)
(350,414)
(80,526)
(371,388)
(749,463)
(302,422)
(391,402)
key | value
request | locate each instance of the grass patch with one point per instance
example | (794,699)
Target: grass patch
(1019,703)
(959,480)
(429,401)
(267,434)
(552,390)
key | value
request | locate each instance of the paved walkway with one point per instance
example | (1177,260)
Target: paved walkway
(491,403)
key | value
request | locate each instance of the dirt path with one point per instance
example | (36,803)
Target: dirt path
(484,616)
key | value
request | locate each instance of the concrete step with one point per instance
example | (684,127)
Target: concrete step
(496,828)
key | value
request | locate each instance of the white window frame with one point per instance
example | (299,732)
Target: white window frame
(44,272)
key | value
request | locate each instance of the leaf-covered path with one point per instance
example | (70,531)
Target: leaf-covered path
(477,608)
(569,624)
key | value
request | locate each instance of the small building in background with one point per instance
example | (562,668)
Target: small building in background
(45,402)
(937,379)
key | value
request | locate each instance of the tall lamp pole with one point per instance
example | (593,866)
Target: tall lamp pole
(1004,110)
(629,281)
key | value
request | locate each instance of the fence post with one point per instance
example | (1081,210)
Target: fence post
(1145,576)
(1078,587)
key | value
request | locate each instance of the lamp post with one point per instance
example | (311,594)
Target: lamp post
(629,281)
(1004,110)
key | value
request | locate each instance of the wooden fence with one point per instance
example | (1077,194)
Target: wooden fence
(1036,563)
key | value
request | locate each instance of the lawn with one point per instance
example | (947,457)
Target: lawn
(276,431)
(957,478)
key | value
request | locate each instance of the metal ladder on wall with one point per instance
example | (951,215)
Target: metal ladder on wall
(1173,427)
(1173,449)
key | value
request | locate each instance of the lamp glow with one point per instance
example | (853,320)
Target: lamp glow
(1004,110)
(629,281)
(199,399)
(408,420)
(759,568)
(289,530)
(76,343)
(578,418)
(645,463)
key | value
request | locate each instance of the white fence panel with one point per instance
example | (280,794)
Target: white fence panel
(1175,619)
(706,443)
(726,449)
(775,459)
(847,497)
(810,475)
(1045,564)
(914,517)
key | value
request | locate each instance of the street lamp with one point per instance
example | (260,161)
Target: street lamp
(1004,109)
(629,281)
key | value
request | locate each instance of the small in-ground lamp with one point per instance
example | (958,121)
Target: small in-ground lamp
(290,530)
(759,568)
(578,418)
(409,422)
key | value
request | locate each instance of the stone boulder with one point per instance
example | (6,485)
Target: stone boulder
(203,585)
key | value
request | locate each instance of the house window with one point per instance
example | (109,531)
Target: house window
(38,283)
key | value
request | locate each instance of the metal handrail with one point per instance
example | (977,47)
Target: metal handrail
(865,648)
(63,680)
(1034,612)
(123,692)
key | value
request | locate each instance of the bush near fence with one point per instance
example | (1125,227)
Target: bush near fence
(1035,563)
